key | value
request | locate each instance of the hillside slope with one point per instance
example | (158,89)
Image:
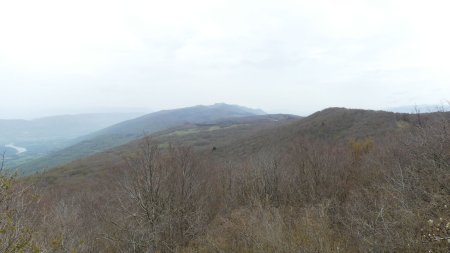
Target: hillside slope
(271,176)
(243,137)
(332,124)
(202,137)
(160,120)
(130,130)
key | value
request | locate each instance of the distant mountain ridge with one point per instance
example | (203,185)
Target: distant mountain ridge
(236,139)
(331,124)
(133,129)
(60,126)
(160,120)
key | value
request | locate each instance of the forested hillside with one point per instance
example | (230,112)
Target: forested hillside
(339,180)
(126,131)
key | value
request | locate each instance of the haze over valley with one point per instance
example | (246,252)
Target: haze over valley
(28,139)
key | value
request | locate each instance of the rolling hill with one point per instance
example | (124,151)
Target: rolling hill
(201,136)
(331,124)
(278,165)
(238,138)
(130,130)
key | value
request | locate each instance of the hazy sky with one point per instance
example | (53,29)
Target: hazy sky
(61,56)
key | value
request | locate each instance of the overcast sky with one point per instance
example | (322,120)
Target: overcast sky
(297,57)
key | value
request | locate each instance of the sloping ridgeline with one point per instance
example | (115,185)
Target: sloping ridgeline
(130,130)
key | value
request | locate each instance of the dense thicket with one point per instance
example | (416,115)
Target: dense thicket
(383,194)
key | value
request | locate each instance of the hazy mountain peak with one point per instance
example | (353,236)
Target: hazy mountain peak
(168,118)
(238,107)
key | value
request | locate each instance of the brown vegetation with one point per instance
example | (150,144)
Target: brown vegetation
(365,193)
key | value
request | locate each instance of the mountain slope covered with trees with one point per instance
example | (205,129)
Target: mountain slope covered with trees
(337,181)
(133,129)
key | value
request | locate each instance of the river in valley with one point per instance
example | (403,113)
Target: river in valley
(19,150)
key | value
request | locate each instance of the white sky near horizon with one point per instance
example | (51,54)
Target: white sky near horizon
(296,57)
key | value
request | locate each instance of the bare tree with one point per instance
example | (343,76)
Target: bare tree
(159,199)
(16,233)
